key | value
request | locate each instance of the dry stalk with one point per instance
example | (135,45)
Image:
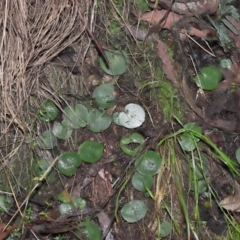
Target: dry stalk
(32,34)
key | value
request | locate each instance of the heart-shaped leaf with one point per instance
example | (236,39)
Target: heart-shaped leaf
(148,163)
(117,62)
(47,140)
(65,208)
(61,131)
(135,138)
(134,211)
(165,228)
(48,112)
(141,183)
(80,203)
(98,121)
(91,230)
(209,78)
(187,142)
(104,95)
(41,167)
(75,117)
(90,151)
(68,163)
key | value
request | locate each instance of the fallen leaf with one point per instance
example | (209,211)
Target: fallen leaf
(194,7)
(155,16)
(139,33)
(7,232)
(105,223)
(167,65)
(231,203)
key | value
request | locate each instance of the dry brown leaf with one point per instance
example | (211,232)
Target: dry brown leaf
(231,203)
(154,17)
(167,65)
(193,7)
(7,232)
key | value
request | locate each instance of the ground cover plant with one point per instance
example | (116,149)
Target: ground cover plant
(119,119)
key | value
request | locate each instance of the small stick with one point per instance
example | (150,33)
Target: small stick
(40,180)
(98,45)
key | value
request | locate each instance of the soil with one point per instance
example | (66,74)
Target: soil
(217,112)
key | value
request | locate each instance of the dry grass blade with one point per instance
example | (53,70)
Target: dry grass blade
(32,33)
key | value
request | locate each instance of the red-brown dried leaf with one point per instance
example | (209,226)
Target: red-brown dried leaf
(167,64)
(7,232)
(154,17)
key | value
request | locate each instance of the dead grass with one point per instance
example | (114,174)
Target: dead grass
(32,34)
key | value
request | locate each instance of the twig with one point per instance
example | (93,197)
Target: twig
(40,180)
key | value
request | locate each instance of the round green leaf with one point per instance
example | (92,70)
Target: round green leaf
(47,140)
(48,112)
(41,167)
(209,78)
(226,63)
(134,211)
(238,155)
(98,121)
(91,230)
(148,163)
(165,229)
(133,138)
(202,186)
(61,131)
(65,208)
(141,183)
(80,203)
(64,198)
(68,163)
(90,151)
(104,95)
(117,62)
(75,117)
(193,127)
(187,142)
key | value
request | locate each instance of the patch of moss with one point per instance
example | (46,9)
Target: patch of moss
(168,99)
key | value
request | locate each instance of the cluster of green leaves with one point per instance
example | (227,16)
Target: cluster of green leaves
(78,116)
(67,204)
(90,229)
(88,151)
(188,138)
(75,117)
(146,165)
